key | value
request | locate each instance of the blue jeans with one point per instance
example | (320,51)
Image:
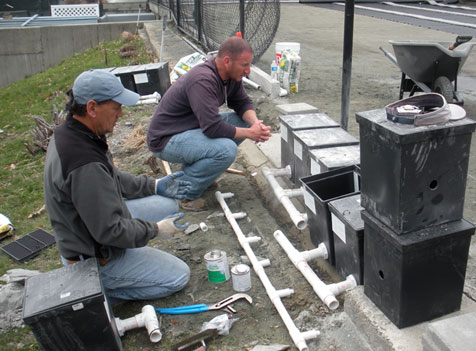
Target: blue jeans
(145,273)
(203,159)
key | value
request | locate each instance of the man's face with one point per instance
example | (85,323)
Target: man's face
(240,66)
(107,115)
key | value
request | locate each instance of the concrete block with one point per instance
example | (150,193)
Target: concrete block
(268,85)
(296,109)
(451,334)
(272,149)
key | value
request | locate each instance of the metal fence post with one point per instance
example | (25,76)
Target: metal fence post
(242,18)
(198,18)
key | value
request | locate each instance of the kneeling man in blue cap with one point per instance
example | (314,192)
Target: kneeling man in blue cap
(99,211)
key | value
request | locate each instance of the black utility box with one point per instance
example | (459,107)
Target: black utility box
(348,231)
(327,159)
(307,140)
(319,190)
(67,310)
(418,276)
(291,123)
(144,79)
(413,177)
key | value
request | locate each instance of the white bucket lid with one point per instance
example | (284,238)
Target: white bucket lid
(288,45)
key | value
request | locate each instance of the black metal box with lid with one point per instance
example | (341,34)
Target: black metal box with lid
(327,159)
(418,276)
(144,79)
(67,310)
(348,231)
(413,177)
(307,140)
(291,123)
(319,190)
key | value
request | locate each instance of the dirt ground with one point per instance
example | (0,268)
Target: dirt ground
(375,82)
(258,323)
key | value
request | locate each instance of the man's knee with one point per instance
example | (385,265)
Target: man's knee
(183,278)
(228,151)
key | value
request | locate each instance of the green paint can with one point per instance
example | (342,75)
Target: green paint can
(217,266)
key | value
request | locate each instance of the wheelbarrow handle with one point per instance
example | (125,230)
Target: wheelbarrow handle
(460,39)
(389,55)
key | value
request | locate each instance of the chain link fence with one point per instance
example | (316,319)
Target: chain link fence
(212,21)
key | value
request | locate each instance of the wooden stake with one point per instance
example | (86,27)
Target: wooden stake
(234,171)
(166,167)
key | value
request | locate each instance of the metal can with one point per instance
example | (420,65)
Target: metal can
(240,275)
(217,266)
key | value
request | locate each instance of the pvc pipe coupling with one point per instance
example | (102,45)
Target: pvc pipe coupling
(147,319)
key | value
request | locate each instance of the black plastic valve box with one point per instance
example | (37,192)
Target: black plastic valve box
(348,231)
(418,276)
(319,190)
(67,309)
(291,123)
(145,79)
(312,139)
(327,159)
(413,177)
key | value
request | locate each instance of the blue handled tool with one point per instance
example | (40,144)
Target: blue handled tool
(224,304)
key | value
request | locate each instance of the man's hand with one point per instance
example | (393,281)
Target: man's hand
(259,132)
(172,187)
(169,225)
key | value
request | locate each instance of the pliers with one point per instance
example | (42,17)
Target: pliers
(224,304)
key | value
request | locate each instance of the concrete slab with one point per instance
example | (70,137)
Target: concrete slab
(451,334)
(381,333)
(272,149)
(296,108)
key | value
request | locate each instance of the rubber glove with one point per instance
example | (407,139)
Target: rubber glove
(172,187)
(169,226)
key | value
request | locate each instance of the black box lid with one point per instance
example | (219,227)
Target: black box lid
(63,286)
(408,133)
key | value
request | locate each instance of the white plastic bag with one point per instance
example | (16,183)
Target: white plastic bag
(222,323)
(185,64)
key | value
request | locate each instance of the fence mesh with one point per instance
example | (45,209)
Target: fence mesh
(212,21)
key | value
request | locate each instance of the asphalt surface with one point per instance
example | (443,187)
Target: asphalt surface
(458,19)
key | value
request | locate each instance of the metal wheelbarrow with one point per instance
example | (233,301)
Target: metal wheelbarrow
(430,66)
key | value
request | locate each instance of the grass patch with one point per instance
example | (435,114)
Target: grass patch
(21,173)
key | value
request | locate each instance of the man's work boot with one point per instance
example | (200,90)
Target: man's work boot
(196,205)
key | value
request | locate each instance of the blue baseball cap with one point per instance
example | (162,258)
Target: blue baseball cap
(101,85)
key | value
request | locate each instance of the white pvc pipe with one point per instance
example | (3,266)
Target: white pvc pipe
(300,263)
(340,287)
(298,338)
(318,252)
(284,195)
(147,319)
(327,293)
(251,83)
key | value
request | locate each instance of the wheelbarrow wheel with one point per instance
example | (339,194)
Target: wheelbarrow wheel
(444,87)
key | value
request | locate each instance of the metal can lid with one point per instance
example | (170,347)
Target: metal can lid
(214,255)
(240,269)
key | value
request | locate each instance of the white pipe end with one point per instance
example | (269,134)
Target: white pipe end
(239,215)
(265,263)
(331,302)
(310,334)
